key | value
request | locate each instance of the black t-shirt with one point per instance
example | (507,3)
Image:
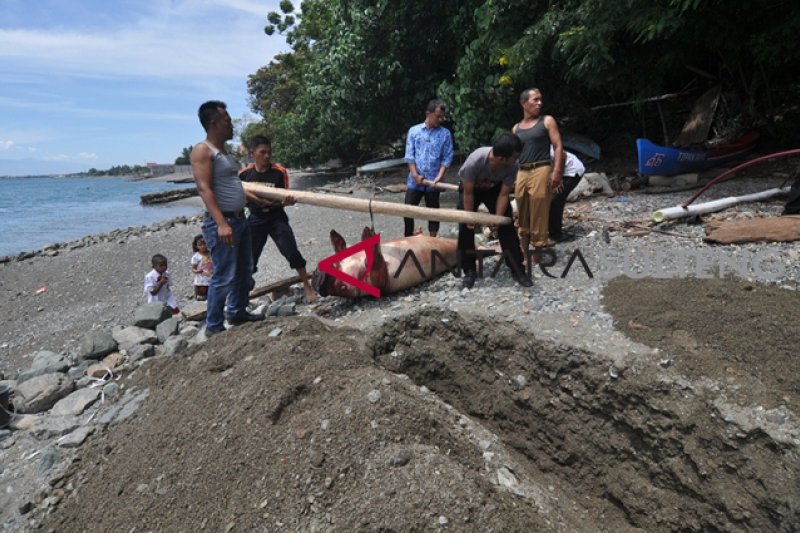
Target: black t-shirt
(274,176)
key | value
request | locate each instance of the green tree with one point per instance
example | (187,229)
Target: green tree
(360,71)
(185,157)
(353,61)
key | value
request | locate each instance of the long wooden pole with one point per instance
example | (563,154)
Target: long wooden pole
(381,208)
(440,185)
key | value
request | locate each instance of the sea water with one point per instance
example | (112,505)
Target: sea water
(37,211)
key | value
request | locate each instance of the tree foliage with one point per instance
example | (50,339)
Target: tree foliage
(360,71)
(186,156)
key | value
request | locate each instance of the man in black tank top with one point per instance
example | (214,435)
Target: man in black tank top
(539,176)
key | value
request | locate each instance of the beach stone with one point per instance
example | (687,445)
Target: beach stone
(111,390)
(76,402)
(41,393)
(44,358)
(77,372)
(24,422)
(76,438)
(141,351)
(132,335)
(150,315)
(44,362)
(97,344)
(50,456)
(195,311)
(167,328)
(283,307)
(174,345)
(189,331)
(54,426)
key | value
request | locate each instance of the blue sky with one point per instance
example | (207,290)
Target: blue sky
(98,83)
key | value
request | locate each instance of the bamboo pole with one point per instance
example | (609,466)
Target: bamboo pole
(381,208)
(440,185)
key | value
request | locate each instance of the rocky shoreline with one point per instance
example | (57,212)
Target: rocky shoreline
(93,288)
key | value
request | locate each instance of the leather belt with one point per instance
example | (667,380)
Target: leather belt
(233,214)
(535,164)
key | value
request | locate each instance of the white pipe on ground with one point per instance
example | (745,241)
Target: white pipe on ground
(671,213)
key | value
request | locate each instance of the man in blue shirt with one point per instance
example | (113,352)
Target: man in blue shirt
(429,151)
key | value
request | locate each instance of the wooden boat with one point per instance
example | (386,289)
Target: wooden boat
(655,160)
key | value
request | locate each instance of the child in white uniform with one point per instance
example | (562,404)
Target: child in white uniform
(157,286)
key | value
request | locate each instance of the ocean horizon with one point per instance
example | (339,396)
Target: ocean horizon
(36,211)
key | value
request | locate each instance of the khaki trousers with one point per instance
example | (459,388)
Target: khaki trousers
(533,194)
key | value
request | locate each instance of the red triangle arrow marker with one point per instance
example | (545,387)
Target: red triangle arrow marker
(326,265)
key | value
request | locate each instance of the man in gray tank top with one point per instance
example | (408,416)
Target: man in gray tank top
(225,228)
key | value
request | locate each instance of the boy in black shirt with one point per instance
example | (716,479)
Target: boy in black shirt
(267,217)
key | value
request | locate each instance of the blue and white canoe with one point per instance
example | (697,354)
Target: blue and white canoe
(655,160)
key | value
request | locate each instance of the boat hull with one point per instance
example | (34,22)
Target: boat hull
(655,160)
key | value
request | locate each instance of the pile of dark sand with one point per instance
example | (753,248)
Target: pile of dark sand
(731,330)
(323,429)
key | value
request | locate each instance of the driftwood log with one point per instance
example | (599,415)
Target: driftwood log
(381,208)
(274,286)
(167,196)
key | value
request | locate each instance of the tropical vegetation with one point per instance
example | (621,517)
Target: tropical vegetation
(360,72)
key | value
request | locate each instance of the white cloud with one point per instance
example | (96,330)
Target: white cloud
(185,39)
(6,145)
(87,155)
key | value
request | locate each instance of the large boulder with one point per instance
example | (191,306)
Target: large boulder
(97,344)
(41,393)
(150,315)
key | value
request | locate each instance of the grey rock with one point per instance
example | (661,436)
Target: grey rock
(174,345)
(108,417)
(54,426)
(50,456)
(140,351)
(41,393)
(288,309)
(276,307)
(33,372)
(167,328)
(131,406)
(189,331)
(275,332)
(195,311)
(150,315)
(76,402)
(44,358)
(111,390)
(76,438)
(133,335)
(77,372)
(97,344)
(374,396)
(399,459)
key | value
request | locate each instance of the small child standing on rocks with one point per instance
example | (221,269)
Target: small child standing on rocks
(201,267)
(156,284)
